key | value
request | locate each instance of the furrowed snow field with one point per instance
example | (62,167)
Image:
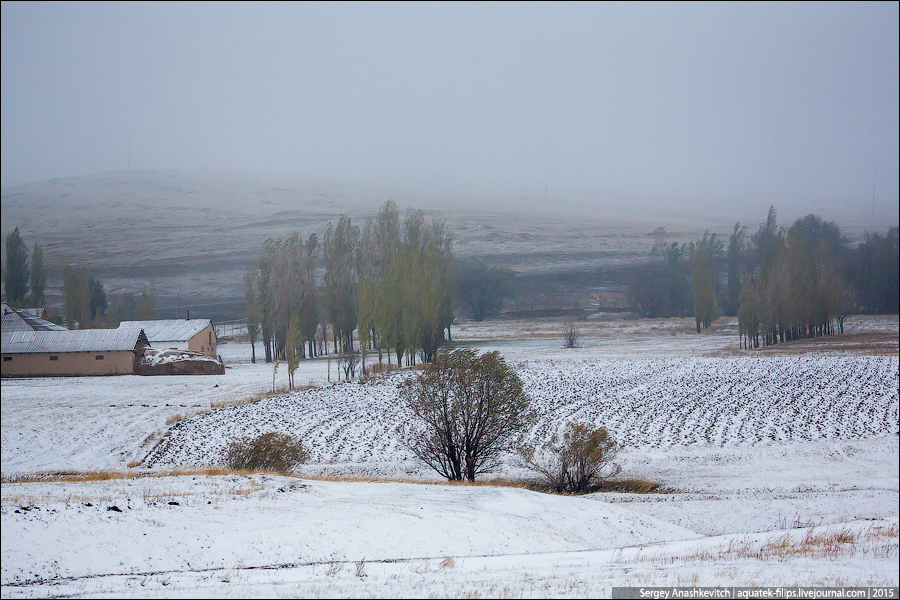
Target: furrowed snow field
(646,403)
(782,470)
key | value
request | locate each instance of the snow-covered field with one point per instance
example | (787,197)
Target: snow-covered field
(785,471)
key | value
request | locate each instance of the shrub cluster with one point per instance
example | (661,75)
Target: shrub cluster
(273,451)
(578,463)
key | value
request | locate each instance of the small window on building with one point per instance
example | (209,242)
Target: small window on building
(54,358)
(7,358)
(210,338)
(98,357)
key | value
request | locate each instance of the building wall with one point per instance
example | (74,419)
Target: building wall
(205,342)
(68,364)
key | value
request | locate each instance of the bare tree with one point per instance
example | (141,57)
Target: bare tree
(468,409)
(577,463)
(570,334)
(349,363)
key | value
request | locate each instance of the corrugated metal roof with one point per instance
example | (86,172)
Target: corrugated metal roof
(15,319)
(171,330)
(82,340)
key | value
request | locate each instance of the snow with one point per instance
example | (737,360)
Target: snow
(755,449)
(155,357)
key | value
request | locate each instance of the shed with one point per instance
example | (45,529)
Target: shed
(196,335)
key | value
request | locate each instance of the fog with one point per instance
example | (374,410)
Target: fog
(581,104)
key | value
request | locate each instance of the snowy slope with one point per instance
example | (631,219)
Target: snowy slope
(646,403)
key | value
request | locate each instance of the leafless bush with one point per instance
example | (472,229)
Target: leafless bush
(570,334)
(349,363)
(273,451)
(576,464)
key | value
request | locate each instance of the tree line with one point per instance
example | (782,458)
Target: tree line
(781,283)
(84,297)
(391,281)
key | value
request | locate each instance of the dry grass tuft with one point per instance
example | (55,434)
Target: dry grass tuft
(174,419)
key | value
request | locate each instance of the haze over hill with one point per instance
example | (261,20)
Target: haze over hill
(191,233)
(145,141)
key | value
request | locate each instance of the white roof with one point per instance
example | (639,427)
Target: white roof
(171,330)
(17,319)
(81,340)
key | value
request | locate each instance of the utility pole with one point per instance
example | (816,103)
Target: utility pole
(546,178)
(874,179)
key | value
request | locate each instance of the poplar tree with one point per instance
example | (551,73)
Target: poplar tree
(38,277)
(340,247)
(705,256)
(252,300)
(15,276)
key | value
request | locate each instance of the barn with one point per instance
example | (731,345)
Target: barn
(41,353)
(196,335)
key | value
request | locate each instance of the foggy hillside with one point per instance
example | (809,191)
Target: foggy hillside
(191,233)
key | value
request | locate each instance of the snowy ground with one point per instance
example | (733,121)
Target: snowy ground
(766,453)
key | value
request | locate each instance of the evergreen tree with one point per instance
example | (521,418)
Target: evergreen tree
(15,276)
(98,303)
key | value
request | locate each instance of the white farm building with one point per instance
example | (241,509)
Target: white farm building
(196,335)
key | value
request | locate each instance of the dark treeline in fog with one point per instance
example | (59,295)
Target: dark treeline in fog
(391,282)
(394,284)
(85,304)
(782,284)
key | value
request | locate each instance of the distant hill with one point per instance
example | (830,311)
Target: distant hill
(191,233)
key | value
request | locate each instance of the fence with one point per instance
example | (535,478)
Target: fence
(230,329)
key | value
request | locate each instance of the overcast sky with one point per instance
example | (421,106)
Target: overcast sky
(693,100)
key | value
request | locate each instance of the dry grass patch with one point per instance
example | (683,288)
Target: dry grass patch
(105,475)
(876,541)
(634,486)
(380,369)
(263,395)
